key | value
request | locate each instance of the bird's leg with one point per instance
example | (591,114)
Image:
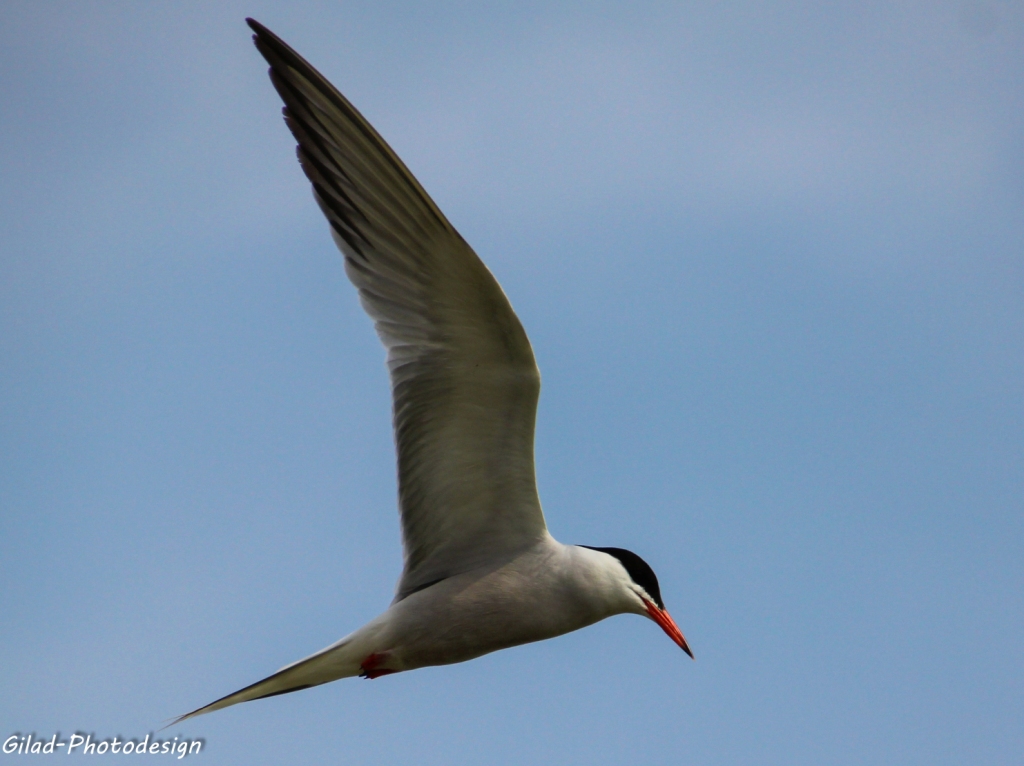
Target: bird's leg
(371,665)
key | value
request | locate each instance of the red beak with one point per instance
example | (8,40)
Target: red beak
(664,619)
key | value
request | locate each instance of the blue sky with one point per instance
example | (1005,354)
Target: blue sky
(770,259)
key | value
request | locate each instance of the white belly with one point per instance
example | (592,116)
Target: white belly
(535,596)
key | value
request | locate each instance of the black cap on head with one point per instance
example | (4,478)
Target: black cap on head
(638,570)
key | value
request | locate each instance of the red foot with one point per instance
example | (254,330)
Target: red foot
(370,669)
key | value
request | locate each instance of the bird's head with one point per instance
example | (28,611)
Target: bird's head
(642,585)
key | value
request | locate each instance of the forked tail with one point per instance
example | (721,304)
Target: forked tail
(334,662)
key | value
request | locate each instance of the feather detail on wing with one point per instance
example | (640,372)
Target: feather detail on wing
(464,380)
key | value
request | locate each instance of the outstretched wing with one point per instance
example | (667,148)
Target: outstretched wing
(463,377)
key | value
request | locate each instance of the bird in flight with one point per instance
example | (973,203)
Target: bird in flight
(481,571)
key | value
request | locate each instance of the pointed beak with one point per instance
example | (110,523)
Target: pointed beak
(664,619)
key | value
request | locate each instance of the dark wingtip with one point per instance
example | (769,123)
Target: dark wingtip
(263,35)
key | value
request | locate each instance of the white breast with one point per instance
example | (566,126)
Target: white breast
(544,591)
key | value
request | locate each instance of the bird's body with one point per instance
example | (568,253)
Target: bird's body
(481,571)
(544,591)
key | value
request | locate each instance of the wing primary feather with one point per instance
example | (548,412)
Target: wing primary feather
(276,51)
